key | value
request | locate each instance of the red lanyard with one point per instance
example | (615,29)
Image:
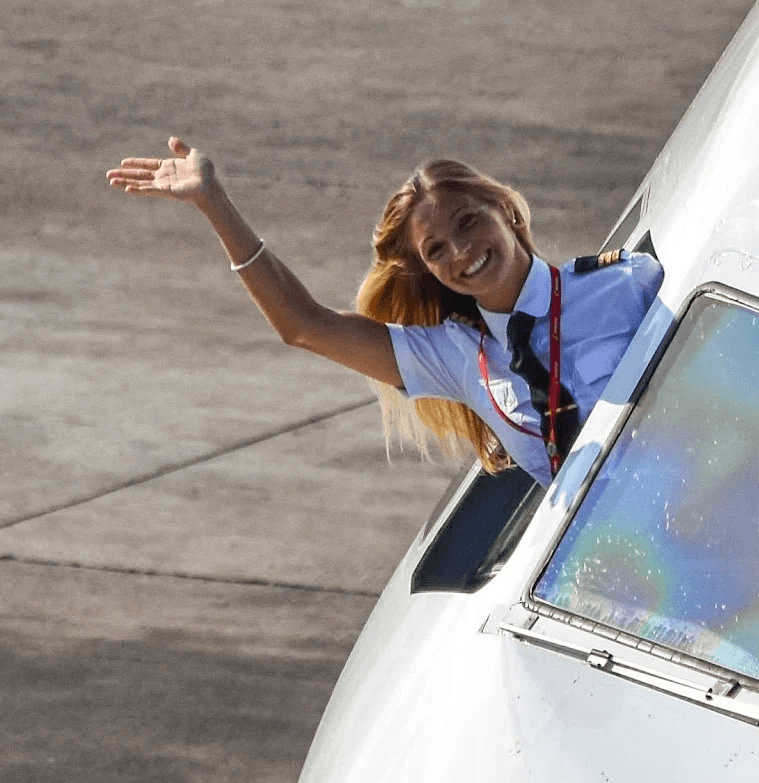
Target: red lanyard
(554,387)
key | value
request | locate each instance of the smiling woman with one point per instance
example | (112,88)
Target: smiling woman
(468,246)
(452,321)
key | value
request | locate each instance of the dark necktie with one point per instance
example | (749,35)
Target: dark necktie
(525,364)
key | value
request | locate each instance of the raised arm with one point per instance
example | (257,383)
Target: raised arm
(347,338)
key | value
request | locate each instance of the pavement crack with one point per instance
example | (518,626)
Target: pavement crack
(175,467)
(213,579)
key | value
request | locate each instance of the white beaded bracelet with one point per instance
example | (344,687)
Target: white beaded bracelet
(254,257)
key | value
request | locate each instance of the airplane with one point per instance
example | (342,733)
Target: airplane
(607,628)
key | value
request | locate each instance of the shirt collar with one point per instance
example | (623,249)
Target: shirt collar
(534,298)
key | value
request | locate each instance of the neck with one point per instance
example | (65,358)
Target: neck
(506,299)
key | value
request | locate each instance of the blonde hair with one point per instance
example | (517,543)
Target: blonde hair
(400,289)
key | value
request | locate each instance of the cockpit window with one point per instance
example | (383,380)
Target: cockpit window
(665,545)
(480,534)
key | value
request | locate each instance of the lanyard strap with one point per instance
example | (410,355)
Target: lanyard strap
(554,389)
(554,386)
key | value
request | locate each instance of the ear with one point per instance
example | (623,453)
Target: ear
(517,219)
(509,212)
(521,233)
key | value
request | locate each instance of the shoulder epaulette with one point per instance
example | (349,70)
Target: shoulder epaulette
(591,263)
(466,321)
(479,324)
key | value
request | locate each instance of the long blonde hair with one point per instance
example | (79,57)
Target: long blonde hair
(400,289)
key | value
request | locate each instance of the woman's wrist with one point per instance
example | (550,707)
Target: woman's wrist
(238,239)
(212,197)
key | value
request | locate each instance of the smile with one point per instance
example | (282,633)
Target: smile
(472,269)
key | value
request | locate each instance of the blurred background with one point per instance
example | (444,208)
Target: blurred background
(196,520)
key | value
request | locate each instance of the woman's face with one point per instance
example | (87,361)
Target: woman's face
(470,247)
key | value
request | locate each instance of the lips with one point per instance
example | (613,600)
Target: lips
(475,267)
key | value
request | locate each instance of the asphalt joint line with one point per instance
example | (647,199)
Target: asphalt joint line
(201,459)
(149,572)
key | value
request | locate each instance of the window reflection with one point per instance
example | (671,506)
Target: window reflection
(666,543)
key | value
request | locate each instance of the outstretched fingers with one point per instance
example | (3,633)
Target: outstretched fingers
(130,174)
(135,176)
(133,181)
(145,189)
(130,185)
(150,164)
(179,177)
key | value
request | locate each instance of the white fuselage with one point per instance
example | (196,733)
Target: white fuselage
(435,691)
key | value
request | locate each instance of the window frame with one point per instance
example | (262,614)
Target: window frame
(541,608)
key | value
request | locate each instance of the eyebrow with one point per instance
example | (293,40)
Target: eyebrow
(451,218)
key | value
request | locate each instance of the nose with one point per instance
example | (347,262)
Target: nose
(460,248)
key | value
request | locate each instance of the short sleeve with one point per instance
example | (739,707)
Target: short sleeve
(647,274)
(429,361)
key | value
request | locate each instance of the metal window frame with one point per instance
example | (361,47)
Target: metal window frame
(540,608)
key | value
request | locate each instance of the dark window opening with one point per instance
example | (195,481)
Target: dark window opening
(480,534)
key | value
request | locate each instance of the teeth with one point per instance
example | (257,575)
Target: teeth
(477,265)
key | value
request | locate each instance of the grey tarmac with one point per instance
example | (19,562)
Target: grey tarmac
(195,521)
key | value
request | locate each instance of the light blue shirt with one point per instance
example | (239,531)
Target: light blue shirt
(601,311)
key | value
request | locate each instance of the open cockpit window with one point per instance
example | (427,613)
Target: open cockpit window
(480,534)
(665,544)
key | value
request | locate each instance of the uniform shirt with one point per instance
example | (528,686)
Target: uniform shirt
(601,311)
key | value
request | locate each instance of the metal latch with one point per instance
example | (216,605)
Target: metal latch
(600,659)
(724,695)
(727,689)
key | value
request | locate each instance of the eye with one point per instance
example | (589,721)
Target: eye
(434,250)
(468,221)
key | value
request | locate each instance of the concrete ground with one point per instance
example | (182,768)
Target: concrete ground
(196,520)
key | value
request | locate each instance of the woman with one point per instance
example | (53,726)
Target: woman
(435,325)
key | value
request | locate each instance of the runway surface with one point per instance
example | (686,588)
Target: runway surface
(196,520)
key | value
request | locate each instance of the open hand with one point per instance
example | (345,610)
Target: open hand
(187,176)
